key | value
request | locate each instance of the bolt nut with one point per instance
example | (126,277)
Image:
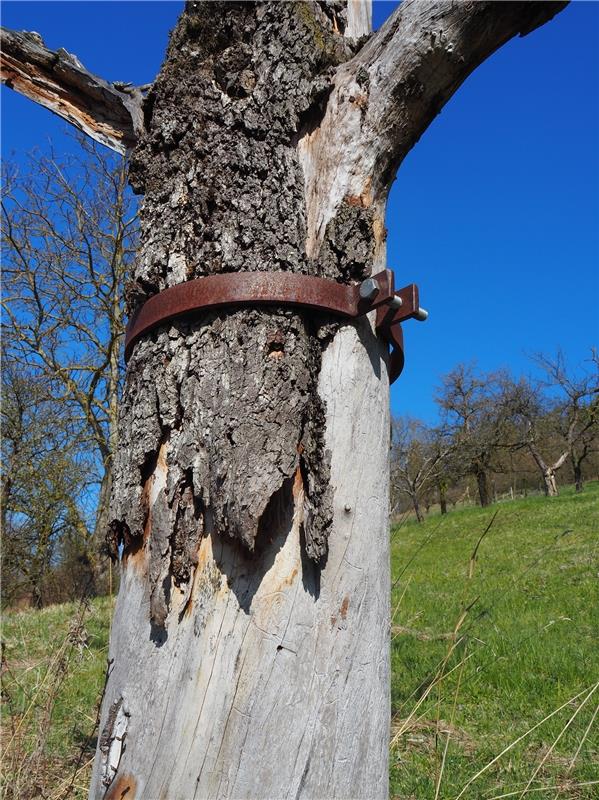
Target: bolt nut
(421,315)
(396,301)
(369,289)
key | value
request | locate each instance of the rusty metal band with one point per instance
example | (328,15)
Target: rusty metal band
(241,289)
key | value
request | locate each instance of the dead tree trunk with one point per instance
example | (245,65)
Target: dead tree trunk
(250,493)
(548,471)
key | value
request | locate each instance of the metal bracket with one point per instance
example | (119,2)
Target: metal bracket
(240,289)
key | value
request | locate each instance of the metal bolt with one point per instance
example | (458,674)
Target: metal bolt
(396,301)
(369,289)
(421,315)
(347,508)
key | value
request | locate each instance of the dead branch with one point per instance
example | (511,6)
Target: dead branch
(58,81)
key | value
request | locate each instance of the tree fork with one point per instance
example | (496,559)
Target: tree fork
(250,494)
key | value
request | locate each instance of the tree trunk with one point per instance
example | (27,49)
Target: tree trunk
(577,470)
(249,646)
(98,557)
(578,483)
(443,497)
(549,482)
(416,504)
(38,568)
(253,611)
(482,482)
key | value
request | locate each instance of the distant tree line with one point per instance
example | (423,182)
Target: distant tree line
(69,229)
(499,436)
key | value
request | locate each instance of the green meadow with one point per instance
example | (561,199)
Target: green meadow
(495,629)
(495,659)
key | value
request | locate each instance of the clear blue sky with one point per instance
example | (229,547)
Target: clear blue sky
(495,213)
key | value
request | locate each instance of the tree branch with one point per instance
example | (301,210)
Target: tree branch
(359,18)
(387,95)
(58,81)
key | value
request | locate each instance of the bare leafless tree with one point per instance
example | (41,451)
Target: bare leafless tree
(417,457)
(562,424)
(476,415)
(585,441)
(69,230)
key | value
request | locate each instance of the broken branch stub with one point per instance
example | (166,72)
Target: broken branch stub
(58,81)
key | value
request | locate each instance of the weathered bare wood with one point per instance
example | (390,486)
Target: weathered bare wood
(386,96)
(359,18)
(111,114)
(271,677)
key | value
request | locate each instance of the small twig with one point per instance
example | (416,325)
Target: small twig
(475,551)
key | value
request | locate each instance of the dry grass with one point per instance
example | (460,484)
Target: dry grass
(50,672)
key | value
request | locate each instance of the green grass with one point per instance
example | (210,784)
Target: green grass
(54,661)
(528,643)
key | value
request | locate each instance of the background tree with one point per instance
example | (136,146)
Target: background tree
(561,425)
(69,232)
(43,491)
(476,416)
(250,493)
(448,469)
(585,441)
(417,458)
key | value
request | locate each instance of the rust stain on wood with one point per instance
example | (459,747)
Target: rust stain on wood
(344,607)
(360,100)
(204,552)
(204,564)
(288,580)
(122,788)
(342,612)
(364,199)
(298,483)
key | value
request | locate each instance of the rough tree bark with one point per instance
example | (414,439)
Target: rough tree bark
(250,653)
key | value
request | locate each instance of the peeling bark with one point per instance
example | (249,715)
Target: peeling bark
(234,394)
(383,99)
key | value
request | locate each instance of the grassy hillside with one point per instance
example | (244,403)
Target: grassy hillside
(483,649)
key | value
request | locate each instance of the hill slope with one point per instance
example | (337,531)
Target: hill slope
(525,616)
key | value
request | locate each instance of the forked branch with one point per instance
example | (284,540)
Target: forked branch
(111,114)
(418,59)
(387,95)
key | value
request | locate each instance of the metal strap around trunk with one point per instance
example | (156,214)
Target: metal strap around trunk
(239,289)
